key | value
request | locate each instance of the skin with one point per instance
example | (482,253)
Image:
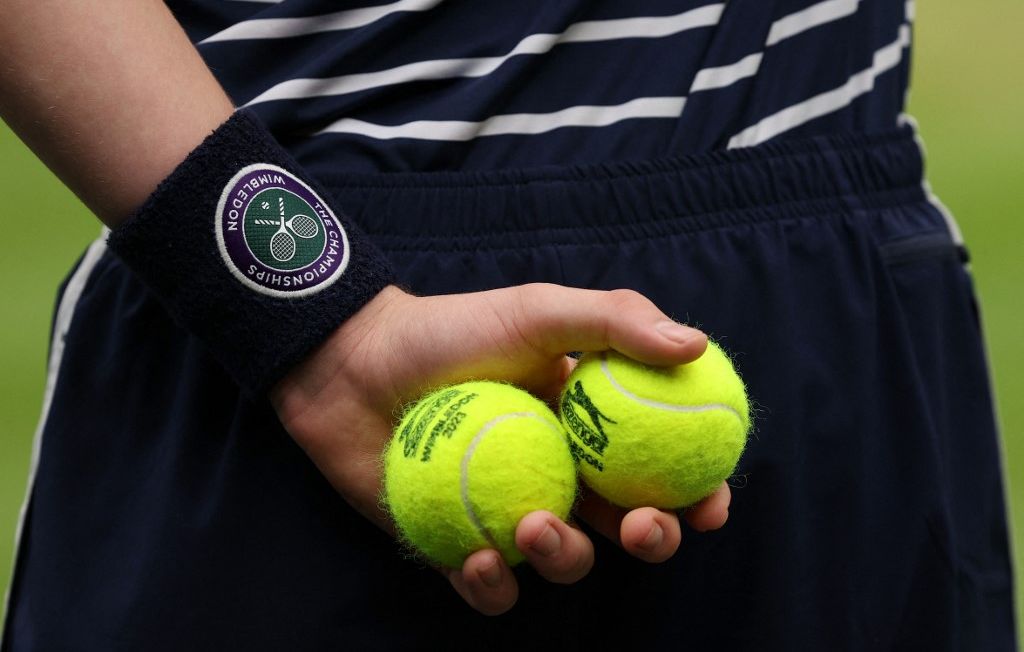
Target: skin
(380,359)
(114,115)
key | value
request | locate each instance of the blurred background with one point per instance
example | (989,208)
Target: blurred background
(962,95)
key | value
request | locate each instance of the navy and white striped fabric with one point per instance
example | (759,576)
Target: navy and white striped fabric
(460,85)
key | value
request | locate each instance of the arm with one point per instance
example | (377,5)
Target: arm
(111,97)
(113,102)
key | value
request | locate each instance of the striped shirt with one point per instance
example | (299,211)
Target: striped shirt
(468,85)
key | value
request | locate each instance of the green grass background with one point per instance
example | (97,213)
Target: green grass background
(966,95)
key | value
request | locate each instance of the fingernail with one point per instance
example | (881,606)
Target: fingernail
(491,574)
(548,543)
(653,538)
(676,332)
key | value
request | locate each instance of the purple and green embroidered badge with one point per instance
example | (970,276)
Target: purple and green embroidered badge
(276,235)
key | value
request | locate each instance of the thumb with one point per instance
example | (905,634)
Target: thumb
(559,319)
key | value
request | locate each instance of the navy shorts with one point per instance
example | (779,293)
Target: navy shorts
(170,513)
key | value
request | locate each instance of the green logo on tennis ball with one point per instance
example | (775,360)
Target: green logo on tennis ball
(282,231)
(451,415)
(590,432)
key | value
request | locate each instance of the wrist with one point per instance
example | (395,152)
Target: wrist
(248,256)
(343,361)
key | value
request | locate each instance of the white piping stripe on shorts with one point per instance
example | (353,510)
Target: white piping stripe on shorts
(467,503)
(271,28)
(534,44)
(514,123)
(658,405)
(885,59)
(65,314)
(958,239)
(933,199)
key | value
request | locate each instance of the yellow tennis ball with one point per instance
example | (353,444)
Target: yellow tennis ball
(467,462)
(655,436)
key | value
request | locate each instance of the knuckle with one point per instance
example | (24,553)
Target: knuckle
(625,298)
(538,288)
(532,294)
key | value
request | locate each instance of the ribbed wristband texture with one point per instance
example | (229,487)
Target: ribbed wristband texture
(245,252)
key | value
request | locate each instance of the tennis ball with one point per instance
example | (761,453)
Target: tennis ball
(655,436)
(467,462)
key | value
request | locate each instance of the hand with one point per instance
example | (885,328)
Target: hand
(340,403)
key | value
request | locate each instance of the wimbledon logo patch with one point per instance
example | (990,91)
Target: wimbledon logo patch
(276,235)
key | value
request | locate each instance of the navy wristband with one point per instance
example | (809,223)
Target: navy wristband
(246,253)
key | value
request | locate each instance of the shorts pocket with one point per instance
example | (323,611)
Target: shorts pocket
(937,306)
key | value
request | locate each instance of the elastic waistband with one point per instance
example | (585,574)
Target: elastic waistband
(635,199)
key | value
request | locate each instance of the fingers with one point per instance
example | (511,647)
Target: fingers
(485,582)
(562,554)
(560,319)
(650,534)
(551,391)
(712,512)
(558,552)
(646,533)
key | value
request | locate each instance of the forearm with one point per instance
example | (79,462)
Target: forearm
(111,97)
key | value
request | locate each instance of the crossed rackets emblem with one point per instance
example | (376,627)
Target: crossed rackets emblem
(282,243)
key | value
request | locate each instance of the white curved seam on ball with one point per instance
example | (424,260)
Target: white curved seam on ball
(464,477)
(672,407)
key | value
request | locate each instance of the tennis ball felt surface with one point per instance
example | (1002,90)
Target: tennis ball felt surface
(655,436)
(467,462)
